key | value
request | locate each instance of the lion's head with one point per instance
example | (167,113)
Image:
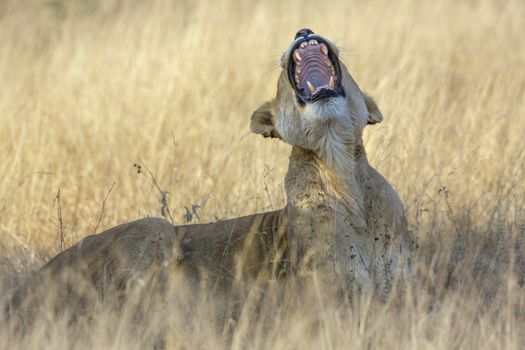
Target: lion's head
(315,95)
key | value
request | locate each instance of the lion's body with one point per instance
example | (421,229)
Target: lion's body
(342,220)
(103,266)
(363,246)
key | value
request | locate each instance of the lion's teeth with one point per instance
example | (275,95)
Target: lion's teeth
(310,86)
(303,45)
(331,82)
(330,66)
(297,55)
(313,42)
(298,69)
(324,49)
(296,77)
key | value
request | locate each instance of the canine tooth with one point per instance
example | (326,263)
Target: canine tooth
(331,82)
(313,42)
(324,49)
(310,86)
(297,55)
(303,45)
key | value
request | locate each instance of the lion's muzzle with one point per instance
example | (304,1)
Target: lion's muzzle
(313,68)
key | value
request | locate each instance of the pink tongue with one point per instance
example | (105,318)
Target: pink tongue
(314,68)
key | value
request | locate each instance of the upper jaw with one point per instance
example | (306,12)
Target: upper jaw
(313,69)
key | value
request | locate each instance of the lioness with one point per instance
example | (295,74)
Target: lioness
(342,218)
(343,215)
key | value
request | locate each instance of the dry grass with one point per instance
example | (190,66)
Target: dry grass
(90,88)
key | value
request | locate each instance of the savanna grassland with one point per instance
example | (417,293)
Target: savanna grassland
(91,90)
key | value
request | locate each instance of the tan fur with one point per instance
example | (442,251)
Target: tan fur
(342,220)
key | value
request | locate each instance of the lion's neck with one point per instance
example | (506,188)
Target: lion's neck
(340,172)
(325,202)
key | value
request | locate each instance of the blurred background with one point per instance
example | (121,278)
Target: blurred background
(91,90)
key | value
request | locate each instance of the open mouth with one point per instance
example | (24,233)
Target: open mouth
(314,70)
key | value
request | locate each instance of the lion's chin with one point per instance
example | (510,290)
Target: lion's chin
(326,109)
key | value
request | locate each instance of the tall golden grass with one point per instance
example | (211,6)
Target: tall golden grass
(90,88)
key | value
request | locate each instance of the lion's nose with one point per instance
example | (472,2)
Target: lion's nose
(303,33)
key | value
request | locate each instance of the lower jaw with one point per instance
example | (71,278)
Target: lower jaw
(319,97)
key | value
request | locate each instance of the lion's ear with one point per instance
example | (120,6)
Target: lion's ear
(262,121)
(374,114)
